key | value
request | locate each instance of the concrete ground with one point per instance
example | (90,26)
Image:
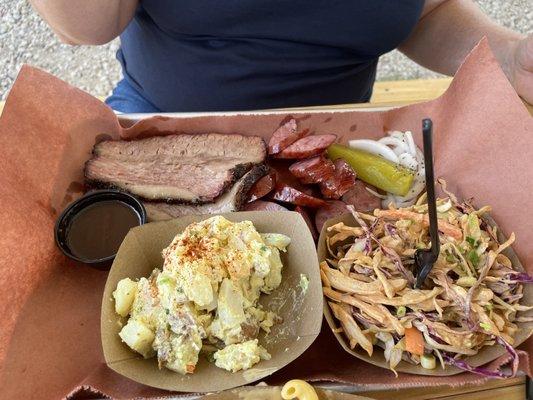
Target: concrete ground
(25,38)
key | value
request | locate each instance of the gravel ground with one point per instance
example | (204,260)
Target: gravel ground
(25,38)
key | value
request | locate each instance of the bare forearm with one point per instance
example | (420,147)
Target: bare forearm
(445,35)
(86,21)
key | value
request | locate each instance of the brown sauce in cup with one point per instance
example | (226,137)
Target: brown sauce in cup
(98,230)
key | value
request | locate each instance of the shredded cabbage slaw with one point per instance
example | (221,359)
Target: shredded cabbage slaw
(471,298)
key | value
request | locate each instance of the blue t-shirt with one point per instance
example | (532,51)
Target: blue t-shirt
(216,55)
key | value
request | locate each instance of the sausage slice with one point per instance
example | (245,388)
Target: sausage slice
(284,136)
(333,208)
(340,182)
(360,198)
(262,187)
(261,205)
(308,146)
(305,214)
(288,194)
(313,170)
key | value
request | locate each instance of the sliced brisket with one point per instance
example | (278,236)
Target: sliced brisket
(175,168)
(232,200)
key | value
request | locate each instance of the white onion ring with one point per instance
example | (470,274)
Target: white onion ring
(396,134)
(416,189)
(397,201)
(373,192)
(404,203)
(374,147)
(410,143)
(408,161)
(419,156)
(399,146)
(445,207)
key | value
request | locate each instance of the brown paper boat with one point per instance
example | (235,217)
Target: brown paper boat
(274,393)
(301,310)
(486,355)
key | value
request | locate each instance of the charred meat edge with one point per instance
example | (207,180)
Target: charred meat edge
(240,197)
(236,173)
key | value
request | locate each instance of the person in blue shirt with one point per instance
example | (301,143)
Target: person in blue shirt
(220,55)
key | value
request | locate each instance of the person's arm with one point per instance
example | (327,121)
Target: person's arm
(449,29)
(86,21)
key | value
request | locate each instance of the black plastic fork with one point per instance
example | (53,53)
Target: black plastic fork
(425,259)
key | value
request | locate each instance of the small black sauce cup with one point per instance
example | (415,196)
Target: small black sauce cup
(64,220)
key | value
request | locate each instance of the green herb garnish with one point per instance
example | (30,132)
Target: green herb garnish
(450,258)
(471,241)
(485,325)
(400,311)
(488,307)
(473,257)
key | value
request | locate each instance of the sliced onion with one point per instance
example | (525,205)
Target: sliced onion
(374,147)
(444,207)
(388,201)
(419,155)
(408,161)
(397,201)
(373,192)
(416,189)
(407,203)
(399,146)
(396,134)
(411,143)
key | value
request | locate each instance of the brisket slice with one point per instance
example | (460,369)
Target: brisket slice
(232,200)
(175,168)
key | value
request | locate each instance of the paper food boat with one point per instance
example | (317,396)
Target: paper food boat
(299,307)
(485,355)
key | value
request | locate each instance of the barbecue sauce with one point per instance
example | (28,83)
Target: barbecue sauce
(97,231)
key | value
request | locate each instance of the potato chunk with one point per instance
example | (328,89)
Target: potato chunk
(139,337)
(277,240)
(273,279)
(124,296)
(240,356)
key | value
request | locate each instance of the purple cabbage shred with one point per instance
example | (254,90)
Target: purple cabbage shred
(390,229)
(520,277)
(462,364)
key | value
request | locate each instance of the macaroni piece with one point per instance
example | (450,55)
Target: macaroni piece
(298,389)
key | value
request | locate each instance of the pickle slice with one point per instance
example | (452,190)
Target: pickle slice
(374,169)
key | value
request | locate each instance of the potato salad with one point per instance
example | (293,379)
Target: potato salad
(205,298)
